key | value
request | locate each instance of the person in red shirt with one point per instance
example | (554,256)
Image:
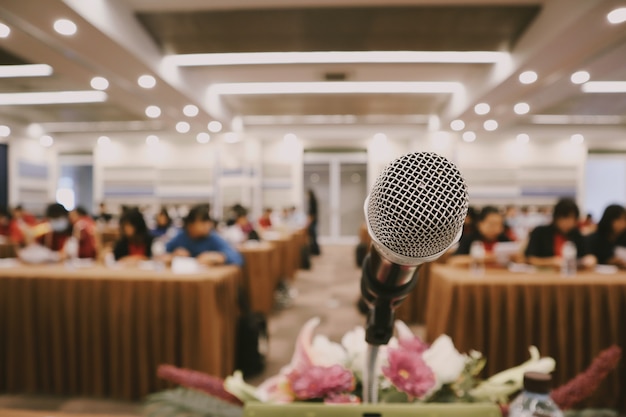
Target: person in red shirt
(59,228)
(265,220)
(489,230)
(135,243)
(5,221)
(20,225)
(84,230)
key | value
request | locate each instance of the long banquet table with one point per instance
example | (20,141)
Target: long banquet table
(98,331)
(260,275)
(503,313)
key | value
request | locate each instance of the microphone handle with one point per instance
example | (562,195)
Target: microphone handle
(384,285)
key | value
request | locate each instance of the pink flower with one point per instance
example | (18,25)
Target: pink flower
(320,382)
(342,399)
(414,344)
(409,373)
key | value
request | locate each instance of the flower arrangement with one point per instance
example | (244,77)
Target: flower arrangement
(408,371)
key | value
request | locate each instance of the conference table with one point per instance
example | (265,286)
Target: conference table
(7,250)
(502,313)
(97,331)
(261,273)
(413,308)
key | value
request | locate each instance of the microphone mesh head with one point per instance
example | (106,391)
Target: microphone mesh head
(418,205)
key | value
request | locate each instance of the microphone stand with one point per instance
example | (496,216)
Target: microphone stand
(384,285)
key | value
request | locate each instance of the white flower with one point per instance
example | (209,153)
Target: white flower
(356,352)
(445,361)
(327,353)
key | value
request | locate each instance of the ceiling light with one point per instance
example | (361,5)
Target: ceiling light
(152,140)
(604,87)
(99,83)
(522,138)
(577,138)
(521,108)
(153,111)
(28,70)
(203,137)
(190,110)
(46,141)
(231,137)
(104,140)
(457,125)
(482,108)
(214,126)
(183,127)
(469,136)
(528,77)
(5,31)
(65,27)
(56,97)
(338,57)
(490,125)
(617,16)
(146,81)
(290,138)
(580,77)
(338,87)
(4,131)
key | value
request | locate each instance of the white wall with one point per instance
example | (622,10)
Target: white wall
(605,183)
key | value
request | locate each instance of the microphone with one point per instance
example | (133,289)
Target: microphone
(414,214)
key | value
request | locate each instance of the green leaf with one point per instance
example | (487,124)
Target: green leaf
(185,402)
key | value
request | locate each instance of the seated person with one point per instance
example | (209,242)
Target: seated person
(20,226)
(608,236)
(5,221)
(84,230)
(135,243)
(265,221)
(163,224)
(489,230)
(545,243)
(60,230)
(198,239)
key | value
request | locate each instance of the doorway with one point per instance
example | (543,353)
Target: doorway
(75,183)
(339,181)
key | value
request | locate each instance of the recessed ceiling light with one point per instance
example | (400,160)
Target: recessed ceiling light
(577,138)
(580,77)
(65,27)
(522,138)
(153,111)
(339,87)
(231,137)
(528,77)
(53,97)
(521,108)
(99,83)
(457,125)
(183,127)
(146,81)
(4,131)
(104,140)
(290,138)
(490,125)
(214,126)
(482,108)
(203,137)
(152,140)
(604,87)
(469,136)
(190,110)
(5,31)
(617,16)
(46,141)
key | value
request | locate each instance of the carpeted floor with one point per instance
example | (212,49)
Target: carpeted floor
(329,291)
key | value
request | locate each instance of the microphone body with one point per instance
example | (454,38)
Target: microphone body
(414,214)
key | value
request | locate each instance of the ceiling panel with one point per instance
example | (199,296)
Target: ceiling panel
(94,112)
(340,29)
(591,105)
(380,104)
(7,58)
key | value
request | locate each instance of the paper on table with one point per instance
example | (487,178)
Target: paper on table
(503,251)
(620,253)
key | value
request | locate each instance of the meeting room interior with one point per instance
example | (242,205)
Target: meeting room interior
(218,208)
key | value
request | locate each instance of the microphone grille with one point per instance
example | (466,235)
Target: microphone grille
(418,205)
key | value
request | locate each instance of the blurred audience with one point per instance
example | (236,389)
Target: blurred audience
(103,214)
(135,243)
(164,224)
(240,229)
(546,243)
(312,213)
(469,225)
(84,230)
(609,235)
(198,239)
(21,223)
(5,223)
(265,221)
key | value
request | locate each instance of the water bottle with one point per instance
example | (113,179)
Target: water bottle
(71,249)
(477,253)
(535,401)
(568,265)
(158,252)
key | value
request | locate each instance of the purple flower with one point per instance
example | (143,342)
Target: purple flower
(320,382)
(408,372)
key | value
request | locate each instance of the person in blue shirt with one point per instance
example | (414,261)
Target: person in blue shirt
(198,240)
